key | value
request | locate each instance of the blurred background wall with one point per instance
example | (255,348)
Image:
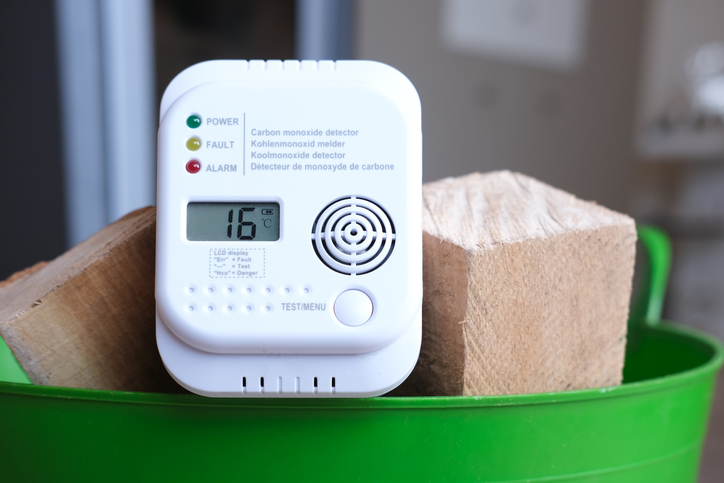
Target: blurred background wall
(32,217)
(569,126)
(616,101)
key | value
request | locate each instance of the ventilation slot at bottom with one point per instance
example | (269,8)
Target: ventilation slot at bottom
(316,389)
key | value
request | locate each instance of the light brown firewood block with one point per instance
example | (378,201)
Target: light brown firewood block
(87,319)
(526,289)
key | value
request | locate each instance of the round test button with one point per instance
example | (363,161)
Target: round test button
(353,308)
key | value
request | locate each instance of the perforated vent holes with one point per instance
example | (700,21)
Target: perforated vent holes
(353,236)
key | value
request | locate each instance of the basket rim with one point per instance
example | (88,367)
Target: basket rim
(685,335)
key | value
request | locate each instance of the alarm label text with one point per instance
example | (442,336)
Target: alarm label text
(221,168)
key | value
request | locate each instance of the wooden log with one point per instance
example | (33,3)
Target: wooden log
(87,319)
(526,289)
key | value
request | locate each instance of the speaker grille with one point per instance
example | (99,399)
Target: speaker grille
(353,236)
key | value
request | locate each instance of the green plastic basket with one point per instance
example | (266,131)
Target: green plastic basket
(651,428)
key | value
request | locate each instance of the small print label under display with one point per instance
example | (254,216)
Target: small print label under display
(232,221)
(237,262)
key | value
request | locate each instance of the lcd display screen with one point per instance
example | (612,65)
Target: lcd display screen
(232,221)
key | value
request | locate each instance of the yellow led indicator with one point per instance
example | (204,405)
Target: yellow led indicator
(193,144)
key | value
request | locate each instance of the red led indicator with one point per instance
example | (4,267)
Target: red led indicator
(193,166)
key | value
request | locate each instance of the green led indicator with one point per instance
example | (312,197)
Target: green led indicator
(193,121)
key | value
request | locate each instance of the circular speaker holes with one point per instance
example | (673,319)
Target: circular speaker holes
(353,236)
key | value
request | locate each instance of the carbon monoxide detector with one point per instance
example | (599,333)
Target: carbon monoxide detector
(289,239)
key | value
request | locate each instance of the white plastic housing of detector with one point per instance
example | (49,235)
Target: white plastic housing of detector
(332,308)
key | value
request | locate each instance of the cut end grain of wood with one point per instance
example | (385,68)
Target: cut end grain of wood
(526,289)
(87,319)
